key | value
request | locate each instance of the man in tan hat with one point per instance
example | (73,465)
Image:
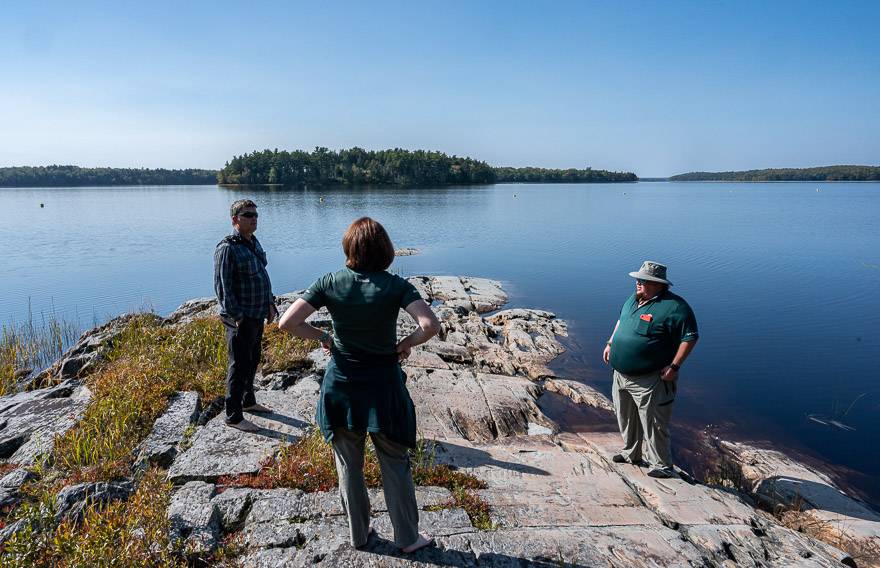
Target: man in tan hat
(656,332)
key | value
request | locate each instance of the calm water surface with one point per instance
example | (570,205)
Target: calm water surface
(782,277)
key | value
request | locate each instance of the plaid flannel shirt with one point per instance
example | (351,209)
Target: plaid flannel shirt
(240,278)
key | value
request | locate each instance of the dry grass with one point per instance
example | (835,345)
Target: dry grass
(131,533)
(148,364)
(118,534)
(797,516)
(309,465)
(283,352)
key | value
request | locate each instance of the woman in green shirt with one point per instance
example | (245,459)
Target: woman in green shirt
(364,388)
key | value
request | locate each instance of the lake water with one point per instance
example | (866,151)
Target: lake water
(781,276)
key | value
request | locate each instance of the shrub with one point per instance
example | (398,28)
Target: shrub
(121,533)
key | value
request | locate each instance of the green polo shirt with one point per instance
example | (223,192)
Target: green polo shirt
(648,337)
(364,307)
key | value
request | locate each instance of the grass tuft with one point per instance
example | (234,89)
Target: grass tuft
(31,346)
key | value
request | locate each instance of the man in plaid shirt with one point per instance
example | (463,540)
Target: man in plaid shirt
(245,294)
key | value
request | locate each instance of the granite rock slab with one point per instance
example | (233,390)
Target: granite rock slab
(218,449)
(194,519)
(160,447)
(32,420)
(473,406)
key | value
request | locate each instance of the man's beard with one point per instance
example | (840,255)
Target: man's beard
(641,296)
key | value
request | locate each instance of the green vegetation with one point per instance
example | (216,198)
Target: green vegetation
(147,363)
(146,366)
(30,346)
(355,166)
(543,175)
(308,465)
(66,176)
(826,173)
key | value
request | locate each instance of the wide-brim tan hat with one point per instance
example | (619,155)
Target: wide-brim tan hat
(653,271)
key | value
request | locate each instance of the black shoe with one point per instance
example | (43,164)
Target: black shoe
(661,472)
(618,458)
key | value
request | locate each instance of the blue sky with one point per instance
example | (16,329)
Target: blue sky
(657,88)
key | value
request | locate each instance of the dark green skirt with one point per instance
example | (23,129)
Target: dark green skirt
(366,394)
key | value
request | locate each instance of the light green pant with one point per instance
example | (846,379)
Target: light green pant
(643,404)
(400,493)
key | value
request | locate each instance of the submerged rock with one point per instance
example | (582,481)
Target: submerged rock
(579,393)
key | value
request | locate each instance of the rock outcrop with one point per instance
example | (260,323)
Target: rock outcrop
(556,497)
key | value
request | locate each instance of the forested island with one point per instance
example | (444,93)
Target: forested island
(66,176)
(357,166)
(824,173)
(354,166)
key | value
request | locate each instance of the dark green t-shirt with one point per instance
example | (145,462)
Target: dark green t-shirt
(357,393)
(364,307)
(648,337)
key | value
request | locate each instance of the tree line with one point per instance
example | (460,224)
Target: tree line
(55,176)
(824,173)
(357,166)
(354,166)
(544,175)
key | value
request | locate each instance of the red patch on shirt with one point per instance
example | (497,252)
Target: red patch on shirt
(646,317)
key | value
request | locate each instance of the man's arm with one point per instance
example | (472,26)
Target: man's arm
(606,354)
(224,272)
(670,372)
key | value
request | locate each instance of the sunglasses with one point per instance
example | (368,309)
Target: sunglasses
(642,282)
(249,215)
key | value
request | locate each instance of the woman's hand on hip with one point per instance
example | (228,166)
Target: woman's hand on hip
(403,349)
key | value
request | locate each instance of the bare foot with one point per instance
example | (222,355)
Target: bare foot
(244,425)
(420,542)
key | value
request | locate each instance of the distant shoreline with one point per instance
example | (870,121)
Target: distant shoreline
(818,174)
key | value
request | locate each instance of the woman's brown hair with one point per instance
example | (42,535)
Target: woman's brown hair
(367,246)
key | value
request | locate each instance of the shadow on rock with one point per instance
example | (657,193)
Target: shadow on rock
(463,456)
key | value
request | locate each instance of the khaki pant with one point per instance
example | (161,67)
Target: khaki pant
(643,404)
(400,493)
